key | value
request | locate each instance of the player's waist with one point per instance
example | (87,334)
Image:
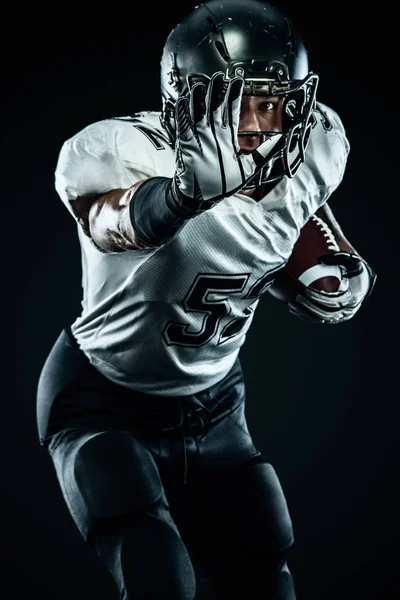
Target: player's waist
(109,402)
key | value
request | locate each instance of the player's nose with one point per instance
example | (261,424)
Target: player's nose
(249,142)
(249,119)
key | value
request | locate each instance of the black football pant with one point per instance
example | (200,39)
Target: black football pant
(171,493)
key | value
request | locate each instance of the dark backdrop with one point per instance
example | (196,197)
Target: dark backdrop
(322,402)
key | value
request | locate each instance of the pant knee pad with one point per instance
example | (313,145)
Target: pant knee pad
(257,513)
(260,576)
(273,580)
(274,526)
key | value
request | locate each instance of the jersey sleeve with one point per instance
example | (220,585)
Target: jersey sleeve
(102,157)
(335,146)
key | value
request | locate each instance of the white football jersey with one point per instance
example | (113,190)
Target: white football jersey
(171,320)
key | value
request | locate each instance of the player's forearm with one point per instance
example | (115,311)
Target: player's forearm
(157,213)
(143,216)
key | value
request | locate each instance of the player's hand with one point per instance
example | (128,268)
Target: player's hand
(337,307)
(209,163)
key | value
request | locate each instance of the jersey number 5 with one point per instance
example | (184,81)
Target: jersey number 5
(200,299)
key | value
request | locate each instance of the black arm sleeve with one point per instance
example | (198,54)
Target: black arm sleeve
(155,212)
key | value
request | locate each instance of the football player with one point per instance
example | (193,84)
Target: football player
(184,217)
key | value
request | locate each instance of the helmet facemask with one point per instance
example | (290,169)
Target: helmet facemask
(299,102)
(254,41)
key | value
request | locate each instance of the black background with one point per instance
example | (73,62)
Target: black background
(322,401)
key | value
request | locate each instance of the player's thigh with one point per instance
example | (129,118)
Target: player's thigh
(238,512)
(113,489)
(104,474)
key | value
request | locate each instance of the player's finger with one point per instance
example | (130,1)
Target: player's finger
(232,102)
(317,317)
(182,118)
(351,262)
(332,300)
(198,102)
(215,94)
(305,315)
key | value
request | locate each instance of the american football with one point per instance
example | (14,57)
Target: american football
(304,268)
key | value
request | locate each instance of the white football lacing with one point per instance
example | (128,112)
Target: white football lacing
(327,233)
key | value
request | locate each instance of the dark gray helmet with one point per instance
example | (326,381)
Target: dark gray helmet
(253,40)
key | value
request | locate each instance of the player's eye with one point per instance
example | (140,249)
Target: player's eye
(268,105)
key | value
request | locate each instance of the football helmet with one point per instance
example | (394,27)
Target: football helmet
(255,41)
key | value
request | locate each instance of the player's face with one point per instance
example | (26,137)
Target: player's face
(259,113)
